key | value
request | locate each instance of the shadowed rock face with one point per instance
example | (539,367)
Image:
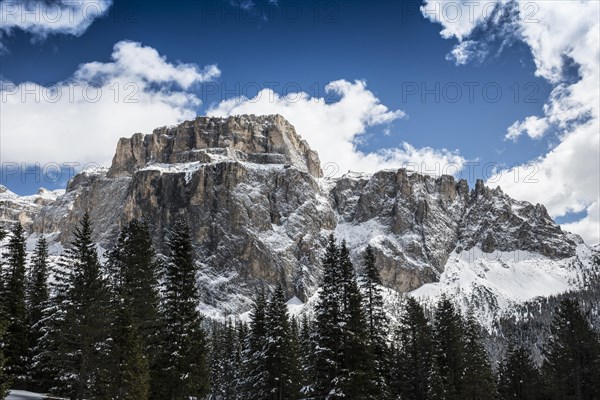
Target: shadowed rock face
(260,213)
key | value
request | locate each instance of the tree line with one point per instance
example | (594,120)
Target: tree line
(129,328)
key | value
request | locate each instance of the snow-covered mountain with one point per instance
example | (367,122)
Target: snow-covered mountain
(260,212)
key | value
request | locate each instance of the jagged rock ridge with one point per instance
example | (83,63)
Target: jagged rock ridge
(260,210)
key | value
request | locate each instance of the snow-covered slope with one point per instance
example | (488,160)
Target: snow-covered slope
(491,284)
(24,208)
(260,213)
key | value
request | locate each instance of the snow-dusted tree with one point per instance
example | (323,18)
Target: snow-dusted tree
(519,378)
(3,379)
(358,375)
(133,271)
(448,348)
(280,351)
(412,364)
(37,302)
(377,321)
(183,345)
(224,361)
(15,342)
(328,333)
(254,382)
(436,387)
(78,339)
(307,348)
(130,376)
(572,365)
(478,380)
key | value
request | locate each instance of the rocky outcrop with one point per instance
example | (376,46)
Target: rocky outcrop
(263,140)
(260,212)
(24,209)
(495,221)
(416,221)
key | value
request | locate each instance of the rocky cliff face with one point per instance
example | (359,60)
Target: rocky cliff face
(260,211)
(261,140)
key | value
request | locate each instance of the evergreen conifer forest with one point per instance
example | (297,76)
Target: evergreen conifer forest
(126,326)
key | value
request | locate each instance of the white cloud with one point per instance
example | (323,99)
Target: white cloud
(533,126)
(587,227)
(568,175)
(80,120)
(333,129)
(459,18)
(43,18)
(461,53)
(133,62)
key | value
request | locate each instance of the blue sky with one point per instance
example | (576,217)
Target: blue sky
(301,46)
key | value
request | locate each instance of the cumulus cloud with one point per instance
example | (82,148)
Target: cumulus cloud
(333,129)
(533,126)
(136,63)
(43,18)
(464,52)
(81,119)
(559,33)
(586,227)
(459,18)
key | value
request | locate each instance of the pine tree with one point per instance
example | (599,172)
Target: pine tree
(448,348)
(412,366)
(80,320)
(225,361)
(216,357)
(327,328)
(377,320)
(3,379)
(2,274)
(296,374)
(50,360)
(255,380)
(241,335)
(519,378)
(183,343)
(4,382)
(37,298)
(358,375)
(307,348)
(437,389)
(281,359)
(571,368)
(133,271)
(478,381)
(14,306)
(131,380)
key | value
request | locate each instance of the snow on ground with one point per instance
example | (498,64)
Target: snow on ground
(30,200)
(187,168)
(491,284)
(487,284)
(295,306)
(516,275)
(23,395)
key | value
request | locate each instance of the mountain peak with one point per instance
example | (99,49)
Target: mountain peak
(269,139)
